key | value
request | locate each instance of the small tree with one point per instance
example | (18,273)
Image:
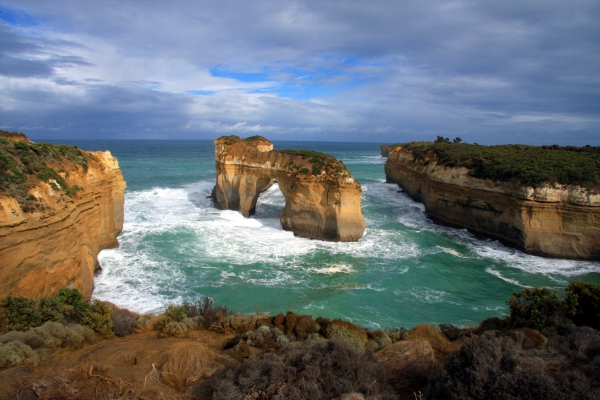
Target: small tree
(457,140)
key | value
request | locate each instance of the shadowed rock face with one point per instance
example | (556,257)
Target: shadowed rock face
(322,199)
(553,221)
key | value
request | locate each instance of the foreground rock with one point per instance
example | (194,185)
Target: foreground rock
(322,199)
(59,207)
(547,220)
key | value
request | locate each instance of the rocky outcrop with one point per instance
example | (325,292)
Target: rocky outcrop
(550,220)
(322,198)
(73,210)
(385,149)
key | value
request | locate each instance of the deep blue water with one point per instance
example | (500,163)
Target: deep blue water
(405,270)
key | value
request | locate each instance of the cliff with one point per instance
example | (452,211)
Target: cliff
(322,199)
(547,219)
(385,149)
(59,207)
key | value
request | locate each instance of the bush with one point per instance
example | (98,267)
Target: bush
(263,338)
(325,371)
(501,368)
(532,308)
(124,321)
(19,313)
(378,340)
(408,365)
(52,335)
(205,308)
(175,329)
(431,334)
(397,334)
(15,353)
(353,335)
(529,165)
(98,317)
(583,303)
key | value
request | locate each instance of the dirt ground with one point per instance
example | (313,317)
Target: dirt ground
(131,367)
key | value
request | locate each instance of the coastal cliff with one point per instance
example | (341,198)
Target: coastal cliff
(59,207)
(322,199)
(545,218)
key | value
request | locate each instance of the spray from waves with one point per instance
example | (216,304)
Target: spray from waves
(174,240)
(412,215)
(427,295)
(499,275)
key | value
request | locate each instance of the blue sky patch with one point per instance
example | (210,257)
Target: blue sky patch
(201,92)
(16,18)
(239,75)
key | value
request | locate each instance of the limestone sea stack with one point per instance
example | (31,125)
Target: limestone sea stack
(59,207)
(481,188)
(322,199)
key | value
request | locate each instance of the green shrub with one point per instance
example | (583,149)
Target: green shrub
(353,335)
(532,308)
(73,304)
(98,317)
(175,329)
(15,353)
(378,340)
(48,173)
(22,163)
(19,313)
(583,303)
(397,334)
(531,165)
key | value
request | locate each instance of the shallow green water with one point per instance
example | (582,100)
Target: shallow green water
(405,269)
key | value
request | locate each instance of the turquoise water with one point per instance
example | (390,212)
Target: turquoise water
(405,270)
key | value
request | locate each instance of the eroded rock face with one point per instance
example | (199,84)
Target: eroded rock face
(552,221)
(322,198)
(57,245)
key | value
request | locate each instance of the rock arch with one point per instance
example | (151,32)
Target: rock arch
(322,199)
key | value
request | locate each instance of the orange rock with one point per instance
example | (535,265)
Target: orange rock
(550,220)
(322,198)
(43,251)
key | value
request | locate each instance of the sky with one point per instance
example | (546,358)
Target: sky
(491,72)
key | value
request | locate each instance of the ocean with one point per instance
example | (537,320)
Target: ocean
(405,270)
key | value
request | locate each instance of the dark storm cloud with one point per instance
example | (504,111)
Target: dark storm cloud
(491,72)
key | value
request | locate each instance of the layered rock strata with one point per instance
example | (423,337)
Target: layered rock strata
(560,221)
(322,199)
(56,243)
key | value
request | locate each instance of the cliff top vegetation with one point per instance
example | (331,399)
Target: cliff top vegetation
(318,162)
(252,140)
(23,164)
(529,165)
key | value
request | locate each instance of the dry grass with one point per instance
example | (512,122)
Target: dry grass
(431,334)
(189,363)
(93,381)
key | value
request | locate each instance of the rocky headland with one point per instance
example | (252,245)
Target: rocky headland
(544,201)
(322,199)
(59,207)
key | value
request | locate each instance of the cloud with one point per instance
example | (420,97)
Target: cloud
(368,71)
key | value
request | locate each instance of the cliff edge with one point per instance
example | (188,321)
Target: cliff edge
(544,201)
(59,207)
(322,199)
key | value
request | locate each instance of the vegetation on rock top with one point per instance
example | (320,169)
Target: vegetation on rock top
(317,162)
(24,163)
(523,164)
